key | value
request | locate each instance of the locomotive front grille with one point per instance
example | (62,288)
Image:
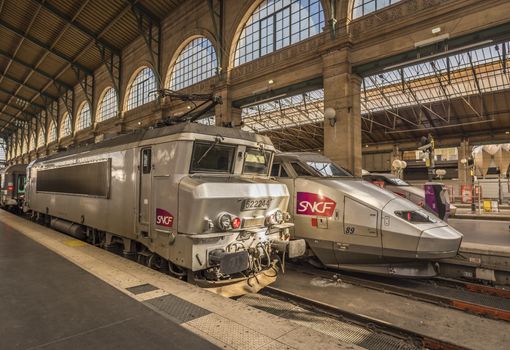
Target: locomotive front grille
(253,222)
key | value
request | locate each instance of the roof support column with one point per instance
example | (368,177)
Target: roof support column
(464,173)
(342,133)
(396,154)
(226,114)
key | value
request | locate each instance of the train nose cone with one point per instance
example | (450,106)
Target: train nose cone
(439,243)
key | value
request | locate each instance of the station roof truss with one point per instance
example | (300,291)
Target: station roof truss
(458,94)
(49,46)
(289,121)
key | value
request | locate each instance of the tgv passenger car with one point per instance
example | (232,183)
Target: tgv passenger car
(398,186)
(354,225)
(12,186)
(194,199)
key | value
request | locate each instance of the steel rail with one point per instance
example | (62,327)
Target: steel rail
(475,287)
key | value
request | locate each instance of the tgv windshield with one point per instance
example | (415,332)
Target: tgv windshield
(328,169)
(398,182)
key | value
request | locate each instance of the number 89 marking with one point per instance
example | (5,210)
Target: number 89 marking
(349,230)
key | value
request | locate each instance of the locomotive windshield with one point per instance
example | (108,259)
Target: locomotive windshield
(212,157)
(328,169)
(256,161)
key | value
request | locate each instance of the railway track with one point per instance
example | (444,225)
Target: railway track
(474,298)
(406,338)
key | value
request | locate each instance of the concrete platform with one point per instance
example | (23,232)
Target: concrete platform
(457,327)
(61,293)
(481,262)
(493,232)
(484,253)
(49,303)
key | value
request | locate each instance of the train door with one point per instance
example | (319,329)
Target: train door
(145,190)
(20,185)
(360,240)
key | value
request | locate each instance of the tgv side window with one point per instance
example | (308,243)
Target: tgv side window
(278,170)
(275,170)
(146,160)
(300,171)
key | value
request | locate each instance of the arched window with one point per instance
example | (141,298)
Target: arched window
(66,125)
(84,117)
(196,62)
(108,107)
(276,24)
(52,136)
(142,85)
(41,138)
(364,7)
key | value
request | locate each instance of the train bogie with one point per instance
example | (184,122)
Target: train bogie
(354,225)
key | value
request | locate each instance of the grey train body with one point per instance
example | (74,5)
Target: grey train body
(354,225)
(12,186)
(140,190)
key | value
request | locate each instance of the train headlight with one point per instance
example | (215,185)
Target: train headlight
(275,218)
(225,221)
(278,215)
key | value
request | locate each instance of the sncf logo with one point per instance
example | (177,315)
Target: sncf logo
(164,218)
(312,204)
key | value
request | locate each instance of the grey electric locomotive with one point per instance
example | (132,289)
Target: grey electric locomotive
(354,225)
(12,186)
(193,199)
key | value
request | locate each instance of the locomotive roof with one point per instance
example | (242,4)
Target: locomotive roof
(146,134)
(14,167)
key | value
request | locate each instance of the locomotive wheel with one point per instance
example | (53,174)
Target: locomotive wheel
(156,262)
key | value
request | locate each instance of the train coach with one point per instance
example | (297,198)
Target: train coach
(12,186)
(351,224)
(192,199)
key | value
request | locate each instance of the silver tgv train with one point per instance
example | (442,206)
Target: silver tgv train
(352,224)
(191,199)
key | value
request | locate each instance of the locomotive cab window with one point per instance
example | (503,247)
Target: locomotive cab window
(146,160)
(256,161)
(212,157)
